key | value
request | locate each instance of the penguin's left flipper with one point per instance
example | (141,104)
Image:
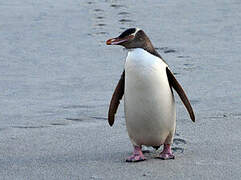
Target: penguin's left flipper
(175,85)
(115,100)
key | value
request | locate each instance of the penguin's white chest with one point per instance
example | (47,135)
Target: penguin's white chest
(149,103)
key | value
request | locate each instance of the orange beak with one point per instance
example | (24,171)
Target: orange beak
(117,41)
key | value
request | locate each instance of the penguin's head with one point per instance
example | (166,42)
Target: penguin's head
(130,38)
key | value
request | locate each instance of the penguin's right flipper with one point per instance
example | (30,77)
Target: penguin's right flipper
(115,100)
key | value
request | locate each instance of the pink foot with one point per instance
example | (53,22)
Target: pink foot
(136,156)
(166,153)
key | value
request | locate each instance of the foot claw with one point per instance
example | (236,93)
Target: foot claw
(135,158)
(166,156)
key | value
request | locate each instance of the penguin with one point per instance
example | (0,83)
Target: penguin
(147,84)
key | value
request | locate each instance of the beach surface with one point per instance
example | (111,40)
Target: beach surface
(57,77)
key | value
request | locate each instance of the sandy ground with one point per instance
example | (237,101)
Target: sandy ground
(96,151)
(57,77)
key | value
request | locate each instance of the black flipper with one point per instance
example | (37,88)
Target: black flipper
(115,100)
(174,83)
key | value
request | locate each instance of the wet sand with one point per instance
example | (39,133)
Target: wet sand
(57,77)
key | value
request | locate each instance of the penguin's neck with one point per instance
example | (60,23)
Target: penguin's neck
(150,48)
(153,51)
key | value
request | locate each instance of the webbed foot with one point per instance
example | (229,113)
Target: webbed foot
(166,153)
(136,156)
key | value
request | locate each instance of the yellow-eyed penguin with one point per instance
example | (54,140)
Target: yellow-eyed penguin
(149,103)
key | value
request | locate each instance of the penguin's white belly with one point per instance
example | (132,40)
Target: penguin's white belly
(149,103)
